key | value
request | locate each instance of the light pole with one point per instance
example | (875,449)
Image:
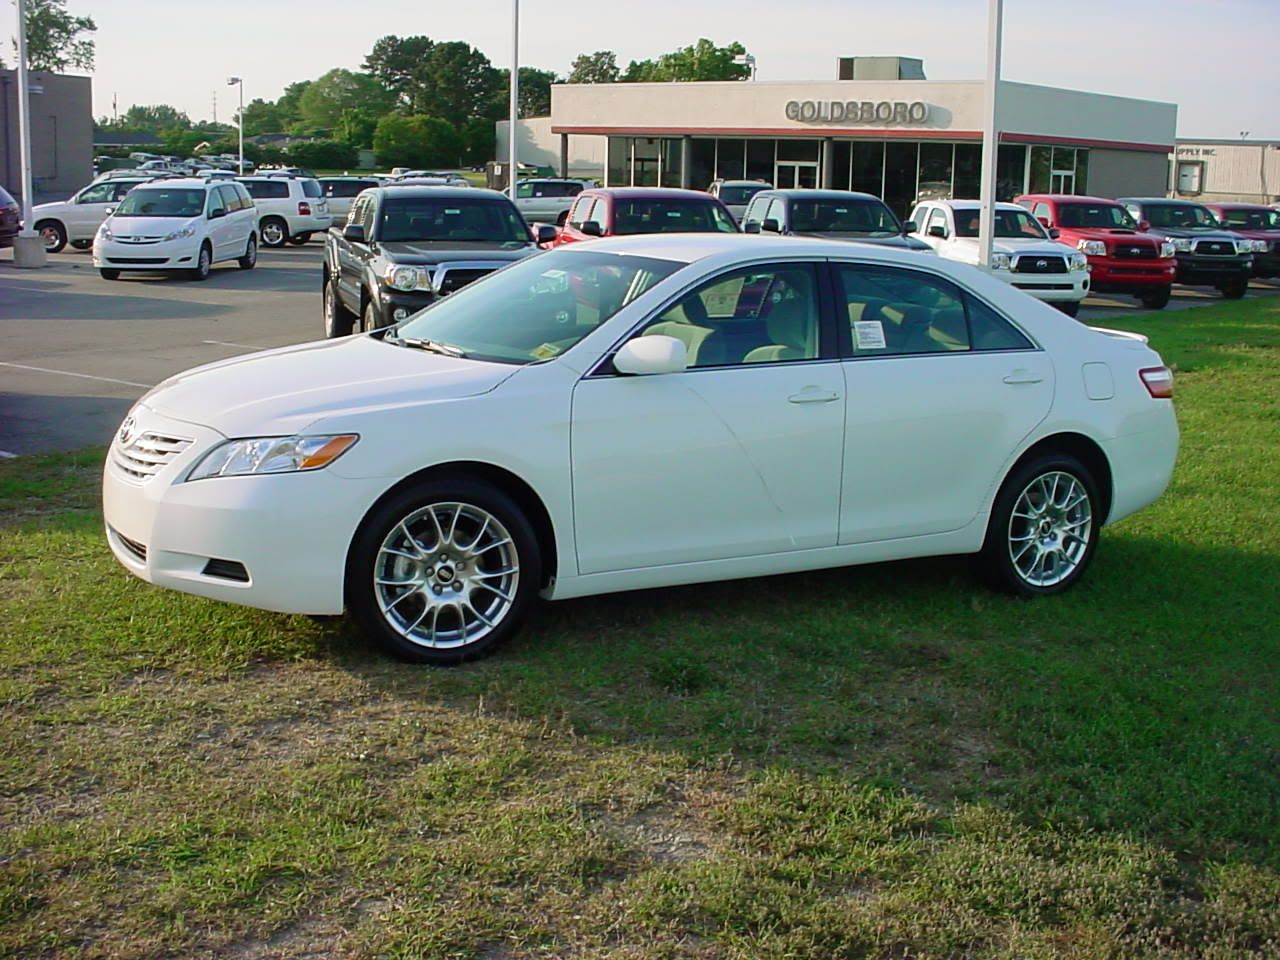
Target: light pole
(990,134)
(746,60)
(28,248)
(239,82)
(515,98)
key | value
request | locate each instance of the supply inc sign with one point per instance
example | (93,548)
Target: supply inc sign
(858,111)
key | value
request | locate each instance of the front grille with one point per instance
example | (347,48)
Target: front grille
(1031,263)
(1216,248)
(1137,271)
(137,259)
(143,456)
(457,279)
(1132,252)
(1043,286)
(139,550)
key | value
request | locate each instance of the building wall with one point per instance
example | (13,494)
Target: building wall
(61,134)
(1127,173)
(538,145)
(1232,170)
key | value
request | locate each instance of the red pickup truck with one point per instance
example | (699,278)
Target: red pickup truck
(617,211)
(1122,258)
(1261,225)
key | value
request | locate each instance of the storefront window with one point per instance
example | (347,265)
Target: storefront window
(1011,171)
(760,160)
(1041,170)
(841,155)
(1082,171)
(968,178)
(644,166)
(867,174)
(702,163)
(935,172)
(619,172)
(671,163)
(900,164)
(798,150)
(730,159)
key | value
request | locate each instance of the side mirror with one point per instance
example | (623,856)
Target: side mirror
(1054,233)
(591,229)
(938,231)
(110,211)
(649,355)
(217,213)
(353,232)
(771,225)
(909,227)
(1045,222)
(751,226)
(1144,225)
(544,233)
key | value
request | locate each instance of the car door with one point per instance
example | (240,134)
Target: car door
(579,213)
(88,209)
(242,216)
(218,224)
(352,254)
(940,391)
(739,454)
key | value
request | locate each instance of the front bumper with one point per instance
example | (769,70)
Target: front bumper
(392,306)
(1194,269)
(1049,287)
(288,533)
(160,255)
(1116,275)
(1268,264)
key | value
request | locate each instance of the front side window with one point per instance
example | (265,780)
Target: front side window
(217,200)
(447,218)
(162,202)
(937,223)
(662,215)
(581,210)
(755,210)
(535,309)
(122,188)
(1011,224)
(98,193)
(895,312)
(757,315)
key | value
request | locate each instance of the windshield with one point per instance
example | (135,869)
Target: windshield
(537,308)
(161,202)
(867,217)
(662,215)
(464,221)
(1102,215)
(1009,223)
(1253,219)
(741,194)
(1178,215)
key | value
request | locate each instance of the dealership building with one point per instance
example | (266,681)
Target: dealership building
(900,139)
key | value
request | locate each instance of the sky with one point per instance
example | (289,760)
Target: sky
(1216,59)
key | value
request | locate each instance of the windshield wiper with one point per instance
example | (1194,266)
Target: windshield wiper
(431,346)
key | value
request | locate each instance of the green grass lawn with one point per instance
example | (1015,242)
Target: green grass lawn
(883,761)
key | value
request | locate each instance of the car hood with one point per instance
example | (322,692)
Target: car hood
(1119,234)
(897,240)
(1199,233)
(1028,247)
(285,390)
(446,251)
(1254,233)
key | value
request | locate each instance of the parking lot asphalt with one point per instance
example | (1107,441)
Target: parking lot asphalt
(76,351)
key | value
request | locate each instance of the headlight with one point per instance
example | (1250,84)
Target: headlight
(238,458)
(180,234)
(1182,245)
(1079,261)
(104,231)
(1167,250)
(1259,246)
(401,277)
(1094,248)
(999,261)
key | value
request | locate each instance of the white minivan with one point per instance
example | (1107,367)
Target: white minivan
(183,224)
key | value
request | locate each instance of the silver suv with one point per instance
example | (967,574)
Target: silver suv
(290,209)
(547,200)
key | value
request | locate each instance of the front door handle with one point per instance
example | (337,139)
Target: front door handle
(1023,376)
(813,395)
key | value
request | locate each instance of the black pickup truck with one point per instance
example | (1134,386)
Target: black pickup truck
(404,246)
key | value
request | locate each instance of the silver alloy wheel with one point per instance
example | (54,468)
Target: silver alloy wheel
(52,238)
(446,575)
(273,233)
(1050,528)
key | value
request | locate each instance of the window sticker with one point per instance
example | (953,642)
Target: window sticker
(869,334)
(545,351)
(721,300)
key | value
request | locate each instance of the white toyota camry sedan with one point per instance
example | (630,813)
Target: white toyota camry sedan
(642,412)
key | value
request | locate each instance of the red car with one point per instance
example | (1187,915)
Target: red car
(1261,225)
(10,214)
(1122,258)
(618,211)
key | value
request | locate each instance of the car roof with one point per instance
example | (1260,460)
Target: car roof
(739,182)
(1237,205)
(973,205)
(692,247)
(651,193)
(1185,203)
(194,183)
(803,194)
(1066,198)
(460,193)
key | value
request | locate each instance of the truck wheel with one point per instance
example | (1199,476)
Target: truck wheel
(1234,289)
(1069,307)
(338,320)
(1157,299)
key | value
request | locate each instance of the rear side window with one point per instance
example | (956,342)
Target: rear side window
(345,188)
(267,189)
(311,188)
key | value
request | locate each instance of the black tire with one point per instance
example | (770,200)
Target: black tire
(298,239)
(1235,289)
(54,233)
(109,274)
(368,317)
(81,244)
(338,320)
(250,258)
(430,583)
(204,263)
(1070,307)
(274,232)
(1158,299)
(1010,534)
(562,219)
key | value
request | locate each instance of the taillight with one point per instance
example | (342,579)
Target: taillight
(304,208)
(1158,381)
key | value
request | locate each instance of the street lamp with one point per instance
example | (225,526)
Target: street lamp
(239,82)
(746,60)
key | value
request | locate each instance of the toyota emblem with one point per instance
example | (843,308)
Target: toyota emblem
(126,434)
(1041,264)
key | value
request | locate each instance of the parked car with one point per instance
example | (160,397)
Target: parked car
(405,247)
(1261,225)
(547,200)
(341,192)
(546,432)
(77,219)
(449,177)
(621,211)
(1206,254)
(1122,259)
(833,214)
(1024,254)
(736,194)
(10,218)
(178,224)
(290,209)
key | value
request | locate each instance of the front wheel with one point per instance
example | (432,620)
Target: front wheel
(1156,299)
(109,274)
(443,572)
(1043,528)
(250,258)
(1234,289)
(53,234)
(338,320)
(204,263)
(1070,307)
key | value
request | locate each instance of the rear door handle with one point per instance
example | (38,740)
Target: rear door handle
(813,395)
(1023,376)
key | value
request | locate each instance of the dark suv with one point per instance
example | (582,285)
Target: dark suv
(834,214)
(1207,255)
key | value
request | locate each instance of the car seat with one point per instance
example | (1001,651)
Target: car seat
(687,324)
(791,326)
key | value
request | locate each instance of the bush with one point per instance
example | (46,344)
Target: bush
(416,141)
(322,154)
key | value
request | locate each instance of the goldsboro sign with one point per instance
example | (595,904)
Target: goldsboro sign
(855,111)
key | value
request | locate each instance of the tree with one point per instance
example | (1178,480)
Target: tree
(456,83)
(328,154)
(702,61)
(479,141)
(416,141)
(155,118)
(287,104)
(598,67)
(396,62)
(324,103)
(535,93)
(262,116)
(54,40)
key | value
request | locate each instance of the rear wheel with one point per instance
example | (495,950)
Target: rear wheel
(338,320)
(298,239)
(443,572)
(1043,528)
(1234,289)
(274,232)
(204,263)
(250,258)
(81,244)
(108,274)
(1070,307)
(1156,299)
(54,235)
